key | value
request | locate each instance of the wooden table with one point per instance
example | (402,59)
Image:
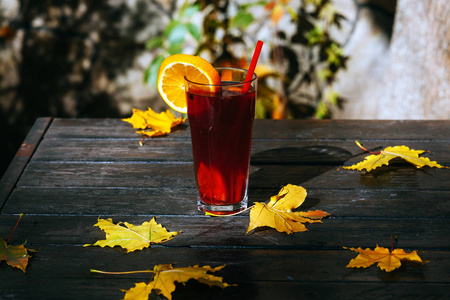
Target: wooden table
(69,172)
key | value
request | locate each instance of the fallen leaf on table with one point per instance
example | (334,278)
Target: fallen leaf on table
(385,259)
(15,255)
(160,123)
(165,276)
(278,212)
(383,157)
(132,237)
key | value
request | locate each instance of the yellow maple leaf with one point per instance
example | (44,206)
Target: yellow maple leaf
(159,123)
(383,157)
(166,275)
(132,237)
(164,278)
(278,212)
(385,259)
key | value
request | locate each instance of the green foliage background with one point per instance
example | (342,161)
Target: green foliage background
(226,26)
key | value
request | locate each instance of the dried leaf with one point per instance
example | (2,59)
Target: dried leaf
(164,278)
(160,124)
(132,237)
(385,259)
(383,157)
(15,256)
(278,212)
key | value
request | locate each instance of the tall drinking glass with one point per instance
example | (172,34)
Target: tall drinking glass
(221,119)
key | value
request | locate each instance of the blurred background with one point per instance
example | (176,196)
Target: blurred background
(342,59)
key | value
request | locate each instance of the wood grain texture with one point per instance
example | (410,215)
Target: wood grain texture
(294,129)
(214,233)
(180,175)
(322,274)
(84,169)
(363,203)
(23,155)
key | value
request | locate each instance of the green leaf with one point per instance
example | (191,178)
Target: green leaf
(154,43)
(194,30)
(190,11)
(315,35)
(291,12)
(177,34)
(170,27)
(250,4)
(314,2)
(325,74)
(321,110)
(151,73)
(260,110)
(334,54)
(328,13)
(242,20)
(332,97)
(175,49)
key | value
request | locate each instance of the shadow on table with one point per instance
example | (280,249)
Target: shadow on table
(274,168)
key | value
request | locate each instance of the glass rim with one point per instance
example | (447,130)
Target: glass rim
(254,77)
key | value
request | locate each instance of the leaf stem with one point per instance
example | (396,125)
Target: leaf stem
(392,241)
(141,141)
(20,217)
(121,273)
(151,278)
(361,146)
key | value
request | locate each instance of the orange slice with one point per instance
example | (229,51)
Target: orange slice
(171,75)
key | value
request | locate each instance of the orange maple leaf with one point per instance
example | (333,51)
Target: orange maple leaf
(383,157)
(278,212)
(386,260)
(15,255)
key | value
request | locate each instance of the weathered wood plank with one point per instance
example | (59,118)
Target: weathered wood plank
(263,151)
(21,158)
(133,174)
(294,129)
(364,203)
(202,231)
(398,178)
(110,288)
(87,168)
(244,267)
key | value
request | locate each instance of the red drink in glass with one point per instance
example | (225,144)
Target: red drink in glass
(221,131)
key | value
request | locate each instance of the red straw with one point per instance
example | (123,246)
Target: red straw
(252,67)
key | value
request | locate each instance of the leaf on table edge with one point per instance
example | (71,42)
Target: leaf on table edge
(25,255)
